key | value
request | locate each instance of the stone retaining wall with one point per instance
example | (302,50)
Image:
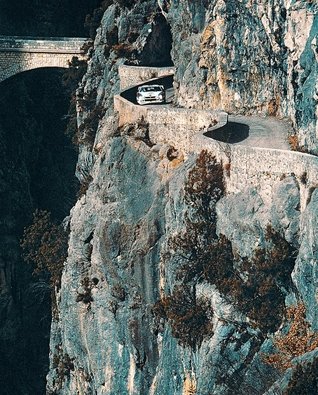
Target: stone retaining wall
(134,75)
(127,111)
(165,123)
(179,126)
(261,167)
(246,166)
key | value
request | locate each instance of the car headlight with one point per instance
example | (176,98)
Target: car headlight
(161,96)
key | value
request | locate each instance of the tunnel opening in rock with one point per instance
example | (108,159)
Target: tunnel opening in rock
(157,51)
(167,82)
(37,172)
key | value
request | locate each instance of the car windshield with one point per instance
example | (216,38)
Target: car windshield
(150,89)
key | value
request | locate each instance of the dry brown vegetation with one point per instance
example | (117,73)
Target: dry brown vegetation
(84,186)
(273,106)
(87,130)
(304,380)
(294,144)
(259,292)
(204,187)
(259,295)
(227,168)
(123,50)
(86,295)
(63,365)
(44,244)
(297,341)
(256,286)
(188,316)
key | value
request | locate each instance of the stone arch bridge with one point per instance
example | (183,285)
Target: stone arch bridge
(18,54)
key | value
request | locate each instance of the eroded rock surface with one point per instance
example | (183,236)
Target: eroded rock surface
(125,250)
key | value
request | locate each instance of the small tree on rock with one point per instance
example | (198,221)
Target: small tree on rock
(44,245)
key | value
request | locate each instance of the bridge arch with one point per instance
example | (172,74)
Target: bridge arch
(18,54)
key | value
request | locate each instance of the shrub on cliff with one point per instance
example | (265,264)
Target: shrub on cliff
(44,244)
(87,130)
(304,380)
(189,317)
(123,50)
(70,79)
(63,365)
(204,187)
(257,285)
(73,74)
(92,21)
(205,183)
(259,292)
(297,341)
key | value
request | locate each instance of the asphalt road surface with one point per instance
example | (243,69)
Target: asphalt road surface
(251,131)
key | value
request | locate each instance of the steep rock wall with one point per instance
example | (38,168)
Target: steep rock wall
(120,263)
(248,57)
(108,339)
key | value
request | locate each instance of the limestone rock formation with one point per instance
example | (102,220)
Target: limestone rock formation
(249,57)
(172,286)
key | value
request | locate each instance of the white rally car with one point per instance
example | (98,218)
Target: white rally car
(151,94)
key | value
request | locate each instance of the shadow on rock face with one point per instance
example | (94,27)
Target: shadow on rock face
(232,132)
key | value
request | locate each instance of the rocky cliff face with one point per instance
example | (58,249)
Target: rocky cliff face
(248,57)
(171,286)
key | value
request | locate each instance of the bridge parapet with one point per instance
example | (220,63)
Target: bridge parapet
(66,45)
